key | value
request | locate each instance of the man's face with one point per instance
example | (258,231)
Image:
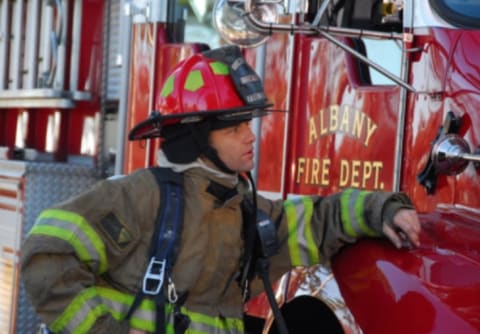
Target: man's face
(234,146)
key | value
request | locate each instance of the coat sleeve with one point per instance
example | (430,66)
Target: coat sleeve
(311,230)
(71,249)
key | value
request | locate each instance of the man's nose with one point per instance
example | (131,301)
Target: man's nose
(250,134)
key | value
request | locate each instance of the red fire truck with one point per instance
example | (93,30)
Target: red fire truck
(379,94)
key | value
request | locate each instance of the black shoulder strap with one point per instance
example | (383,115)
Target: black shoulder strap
(261,242)
(164,245)
(167,229)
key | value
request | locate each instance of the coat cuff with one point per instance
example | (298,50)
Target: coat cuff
(396,202)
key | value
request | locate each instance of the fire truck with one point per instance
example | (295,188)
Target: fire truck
(378,94)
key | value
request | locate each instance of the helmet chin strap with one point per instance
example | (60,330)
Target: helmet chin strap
(212,155)
(208,151)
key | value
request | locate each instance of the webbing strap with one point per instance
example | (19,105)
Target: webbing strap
(164,244)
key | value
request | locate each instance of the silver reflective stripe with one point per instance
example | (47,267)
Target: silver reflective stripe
(301,243)
(201,323)
(205,328)
(301,222)
(94,302)
(94,259)
(356,208)
(352,213)
(83,317)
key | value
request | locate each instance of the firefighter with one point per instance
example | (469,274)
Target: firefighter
(87,263)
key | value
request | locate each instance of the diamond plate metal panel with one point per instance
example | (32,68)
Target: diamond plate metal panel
(45,185)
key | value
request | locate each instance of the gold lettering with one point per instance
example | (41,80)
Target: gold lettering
(315,168)
(334,118)
(323,129)
(342,119)
(312,133)
(325,171)
(355,173)
(345,122)
(344,173)
(371,127)
(377,166)
(360,174)
(300,169)
(367,173)
(358,124)
(307,171)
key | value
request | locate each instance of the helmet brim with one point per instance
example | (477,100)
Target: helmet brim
(152,126)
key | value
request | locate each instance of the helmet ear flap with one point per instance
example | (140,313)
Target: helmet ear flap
(184,143)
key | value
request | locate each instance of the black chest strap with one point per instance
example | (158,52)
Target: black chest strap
(164,246)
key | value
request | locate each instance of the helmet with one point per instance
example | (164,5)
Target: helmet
(216,85)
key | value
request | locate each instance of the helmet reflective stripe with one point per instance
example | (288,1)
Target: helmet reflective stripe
(219,68)
(352,213)
(301,244)
(167,88)
(194,80)
(94,302)
(75,230)
(201,323)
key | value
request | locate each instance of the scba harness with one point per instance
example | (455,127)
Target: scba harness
(260,243)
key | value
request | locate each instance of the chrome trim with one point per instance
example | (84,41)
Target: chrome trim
(62,12)
(31,44)
(361,57)
(76,47)
(126,24)
(38,103)
(328,33)
(317,282)
(43,93)
(45,47)
(4,33)
(257,121)
(16,45)
(41,98)
(402,112)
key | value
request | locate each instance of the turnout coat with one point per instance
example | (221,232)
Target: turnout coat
(84,260)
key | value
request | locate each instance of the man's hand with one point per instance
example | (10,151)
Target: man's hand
(405,230)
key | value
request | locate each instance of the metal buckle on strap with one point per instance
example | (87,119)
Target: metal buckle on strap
(153,279)
(172,292)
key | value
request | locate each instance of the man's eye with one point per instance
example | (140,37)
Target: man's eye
(233,129)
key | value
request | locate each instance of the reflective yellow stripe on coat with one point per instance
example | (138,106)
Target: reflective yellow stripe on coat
(301,244)
(203,324)
(352,203)
(94,302)
(75,230)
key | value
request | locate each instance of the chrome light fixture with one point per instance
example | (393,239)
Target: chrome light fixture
(229,19)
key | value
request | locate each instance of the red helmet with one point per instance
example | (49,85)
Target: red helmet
(217,84)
